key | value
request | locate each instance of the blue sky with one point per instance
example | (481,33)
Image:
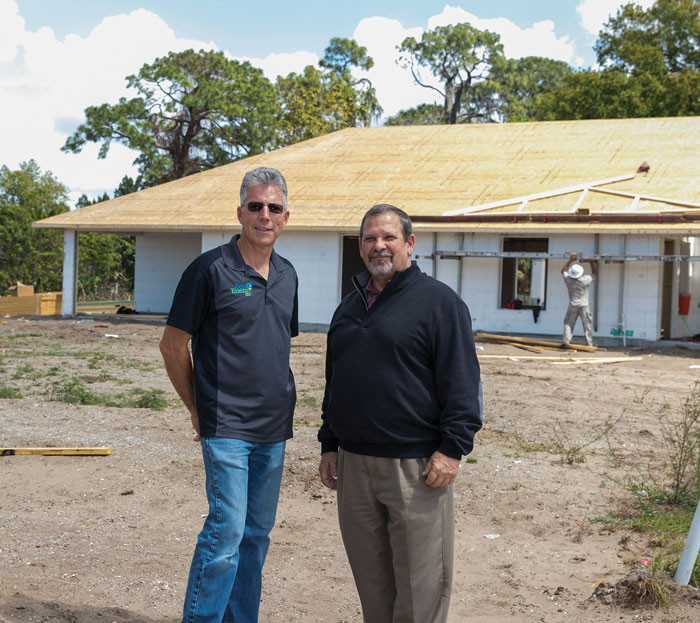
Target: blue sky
(57,58)
(306,25)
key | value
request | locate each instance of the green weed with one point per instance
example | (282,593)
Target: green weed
(23,372)
(528,446)
(145,399)
(572,452)
(665,494)
(74,392)
(9,392)
(19,336)
(307,401)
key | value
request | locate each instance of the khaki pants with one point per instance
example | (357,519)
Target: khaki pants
(399,537)
(572,313)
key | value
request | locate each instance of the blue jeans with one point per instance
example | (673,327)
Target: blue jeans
(243,484)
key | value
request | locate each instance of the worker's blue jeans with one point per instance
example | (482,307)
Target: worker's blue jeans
(243,483)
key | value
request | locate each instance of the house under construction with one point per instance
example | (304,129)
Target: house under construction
(496,209)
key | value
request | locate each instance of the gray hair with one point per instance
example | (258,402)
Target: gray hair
(263,176)
(382,208)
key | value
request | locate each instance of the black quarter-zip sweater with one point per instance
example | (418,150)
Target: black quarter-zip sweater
(402,377)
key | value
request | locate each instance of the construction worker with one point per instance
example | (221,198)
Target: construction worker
(577,283)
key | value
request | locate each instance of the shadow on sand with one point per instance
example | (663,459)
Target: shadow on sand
(24,609)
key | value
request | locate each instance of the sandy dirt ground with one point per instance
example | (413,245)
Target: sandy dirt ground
(109,539)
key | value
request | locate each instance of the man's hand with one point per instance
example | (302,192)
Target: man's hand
(441,471)
(195,424)
(329,470)
(572,258)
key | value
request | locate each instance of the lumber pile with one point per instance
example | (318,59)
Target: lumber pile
(532,344)
(45,304)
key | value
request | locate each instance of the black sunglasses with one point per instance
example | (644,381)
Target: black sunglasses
(257,206)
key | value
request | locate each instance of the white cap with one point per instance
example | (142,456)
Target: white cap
(575,271)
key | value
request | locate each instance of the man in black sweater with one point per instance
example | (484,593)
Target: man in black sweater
(401,407)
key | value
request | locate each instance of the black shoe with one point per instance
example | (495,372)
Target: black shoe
(564,346)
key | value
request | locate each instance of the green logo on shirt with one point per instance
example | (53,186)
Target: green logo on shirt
(243,288)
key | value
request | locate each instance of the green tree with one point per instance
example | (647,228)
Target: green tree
(460,57)
(318,101)
(193,111)
(105,261)
(608,94)
(515,86)
(30,255)
(423,114)
(650,62)
(129,185)
(665,38)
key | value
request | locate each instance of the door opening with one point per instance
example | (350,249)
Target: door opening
(352,264)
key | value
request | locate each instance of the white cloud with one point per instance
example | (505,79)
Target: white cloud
(275,65)
(394,85)
(594,13)
(12,30)
(537,40)
(45,84)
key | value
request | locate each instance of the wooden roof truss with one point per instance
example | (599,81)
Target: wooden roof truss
(584,188)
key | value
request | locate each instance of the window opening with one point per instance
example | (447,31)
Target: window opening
(524,279)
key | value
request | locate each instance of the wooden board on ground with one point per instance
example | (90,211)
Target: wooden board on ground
(595,360)
(564,361)
(532,349)
(551,344)
(57,451)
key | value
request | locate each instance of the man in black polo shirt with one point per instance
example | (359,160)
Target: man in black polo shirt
(238,305)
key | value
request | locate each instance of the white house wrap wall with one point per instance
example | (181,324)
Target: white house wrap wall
(160,261)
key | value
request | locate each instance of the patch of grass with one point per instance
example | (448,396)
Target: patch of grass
(18,336)
(668,559)
(97,378)
(9,392)
(24,372)
(140,366)
(74,392)
(662,521)
(307,401)
(96,359)
(471,459)
(145,399)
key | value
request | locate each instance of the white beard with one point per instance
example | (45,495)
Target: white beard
(385,268)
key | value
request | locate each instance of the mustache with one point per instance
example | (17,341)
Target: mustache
(382,254)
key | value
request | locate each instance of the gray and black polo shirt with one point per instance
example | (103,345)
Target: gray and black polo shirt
(241,325)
